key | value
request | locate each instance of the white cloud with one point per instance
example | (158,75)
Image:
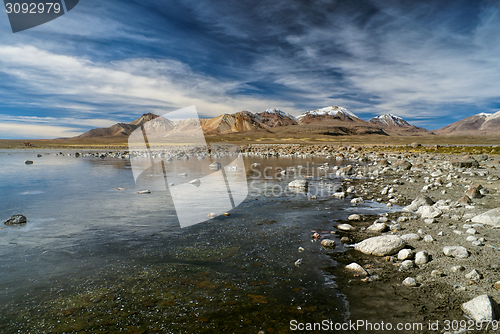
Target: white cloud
(133,83)
(32,131)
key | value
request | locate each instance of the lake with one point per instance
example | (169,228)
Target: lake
(93,258)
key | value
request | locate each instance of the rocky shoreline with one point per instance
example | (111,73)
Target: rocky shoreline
(439,252)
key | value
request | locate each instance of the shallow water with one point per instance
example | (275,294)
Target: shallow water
(97,259)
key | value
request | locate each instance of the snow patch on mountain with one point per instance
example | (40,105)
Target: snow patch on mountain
(390,120)
(280,113)
(332,111)
(492,116)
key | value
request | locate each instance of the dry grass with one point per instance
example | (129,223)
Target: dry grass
(252,137)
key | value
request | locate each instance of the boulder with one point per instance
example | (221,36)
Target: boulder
(215,166)
(406,265)
(404,165)
(427,211)
(383,163)
(465,163)
(356,269)
(410,281)
(458,252)
(418,202)
(328,243)
(345,171)
(482,308)
(473,275)
(381,245)
(345,227)
(465,200)
(357,200)
(377,227)
(405,254)
(491,217)
(474,191)
(303,184)
(15,220)
(354,217)
(421,257)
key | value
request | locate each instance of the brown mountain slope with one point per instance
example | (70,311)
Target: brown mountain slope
(274,118)
(393,124)
(480,124)
(227,123)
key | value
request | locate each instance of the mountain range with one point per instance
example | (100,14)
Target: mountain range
(328,121)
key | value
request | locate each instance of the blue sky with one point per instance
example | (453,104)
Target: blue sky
(431,62)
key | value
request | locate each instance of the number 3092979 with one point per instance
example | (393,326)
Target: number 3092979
(33,8)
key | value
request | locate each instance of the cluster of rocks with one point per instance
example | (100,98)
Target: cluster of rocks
(444,224)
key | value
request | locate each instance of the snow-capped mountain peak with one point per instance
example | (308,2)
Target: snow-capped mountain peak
(483,114)
(332,111)
(389,120)
(280,113)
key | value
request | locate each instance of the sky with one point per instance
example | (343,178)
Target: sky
(430,62)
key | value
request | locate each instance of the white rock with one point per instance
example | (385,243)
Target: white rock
(473,275)
(345,227)
(405,254)
(421,257)
(195,182)
(428,238)
(418,202)
(298,184)
(339,195)
(356,269)
(406,265)
(301,249)
(354,217)
(381,246)
(429,220)
(411,237)
(458,252)
(298,262)
(357,200)
(377,227)
(491,217)
(410,281)
(482,308)
(428,211)
(471,238)
(328,243)
(471,231)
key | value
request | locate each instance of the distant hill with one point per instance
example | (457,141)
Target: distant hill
(397,125)
(119,129)
(480,124)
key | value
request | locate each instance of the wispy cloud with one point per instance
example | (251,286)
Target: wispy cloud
(428,61)
(29,131)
